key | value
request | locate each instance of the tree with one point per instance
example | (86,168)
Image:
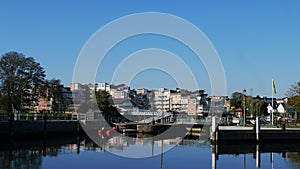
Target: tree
(21,81)
(255,106)
(294,90)
(294,102)
(55,95)
(104,102)
(102,98)
(294,96)
(259,106)
(236,100)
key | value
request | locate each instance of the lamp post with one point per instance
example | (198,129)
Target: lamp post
(244,113)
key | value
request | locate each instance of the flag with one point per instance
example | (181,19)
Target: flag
(273,86)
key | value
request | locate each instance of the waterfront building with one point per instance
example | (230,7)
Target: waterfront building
(102,86)
(119,91)
(194,103)
(184,102)
(192,106)
(142,91)
(82,93)
(175,100)
(161,99)
(45,103)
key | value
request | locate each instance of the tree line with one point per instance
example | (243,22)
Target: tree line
(23,81)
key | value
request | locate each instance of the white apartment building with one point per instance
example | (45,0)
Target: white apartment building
(161,99)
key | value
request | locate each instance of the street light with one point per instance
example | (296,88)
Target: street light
(244,114)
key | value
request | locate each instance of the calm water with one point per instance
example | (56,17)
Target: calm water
(80,152)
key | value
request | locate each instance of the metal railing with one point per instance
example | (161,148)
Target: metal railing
(5,117)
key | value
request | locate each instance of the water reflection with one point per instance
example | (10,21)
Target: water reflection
(34,153)
(22,159)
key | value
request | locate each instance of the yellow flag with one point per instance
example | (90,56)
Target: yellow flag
(273,86)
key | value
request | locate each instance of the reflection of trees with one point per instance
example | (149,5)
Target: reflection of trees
(53,151)
(294,158)
(21,159)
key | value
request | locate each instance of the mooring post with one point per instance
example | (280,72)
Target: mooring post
(257,128)
(213,130)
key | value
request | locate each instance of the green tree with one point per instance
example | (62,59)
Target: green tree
(236,100)
(21,81)
(109,112)
(294,102)
(256,105)
(55,95)
(259,106)
(294,96)
(102,98)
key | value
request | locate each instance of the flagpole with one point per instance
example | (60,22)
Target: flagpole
(273,89)
(272,104)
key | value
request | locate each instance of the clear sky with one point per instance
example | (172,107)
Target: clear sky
(256,40)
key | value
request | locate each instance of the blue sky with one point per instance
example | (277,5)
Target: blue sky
(256,40)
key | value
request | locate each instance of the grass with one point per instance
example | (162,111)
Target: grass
(293,126)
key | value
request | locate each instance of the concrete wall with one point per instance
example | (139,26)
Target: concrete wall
(37,127)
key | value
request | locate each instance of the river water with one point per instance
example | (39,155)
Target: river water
(79,152)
